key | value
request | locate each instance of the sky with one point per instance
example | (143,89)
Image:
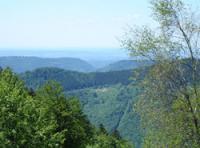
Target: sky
(29,24)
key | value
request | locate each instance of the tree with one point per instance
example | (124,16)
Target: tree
(171,98)
(70,120)
(116,134)
(102,129)
(22,123)
(43,118)
(102,140)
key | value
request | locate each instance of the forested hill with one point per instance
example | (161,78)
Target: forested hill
(72,80)
(22,64)
(102,97)
(125,65)
(47,118)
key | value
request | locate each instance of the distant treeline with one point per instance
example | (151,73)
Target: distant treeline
(71,80)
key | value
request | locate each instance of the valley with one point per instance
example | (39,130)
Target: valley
(107,98)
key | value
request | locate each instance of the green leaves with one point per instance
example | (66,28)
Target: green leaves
(165,11)
(170,100)
(105,140)
(47,119)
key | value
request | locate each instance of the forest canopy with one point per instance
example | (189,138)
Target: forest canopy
(46,118)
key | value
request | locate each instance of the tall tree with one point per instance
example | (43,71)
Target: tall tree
(70,120)
(171,92)
(45,118)
(23,122)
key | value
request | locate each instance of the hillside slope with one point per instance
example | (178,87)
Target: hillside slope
(22,64)
(107,97)
(71,80)
(125,65)
(113,107)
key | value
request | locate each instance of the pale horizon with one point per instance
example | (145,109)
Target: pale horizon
(68,24)
(50,24)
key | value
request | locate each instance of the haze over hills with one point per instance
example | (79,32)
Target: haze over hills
(95,88)
(96,84)
(22,64)
(125,65)
(21,61)
(100,74)
(97,57)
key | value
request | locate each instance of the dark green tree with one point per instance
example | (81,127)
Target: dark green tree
(70,120)
(22,123)
(45,119)
(116,134)
(102,129)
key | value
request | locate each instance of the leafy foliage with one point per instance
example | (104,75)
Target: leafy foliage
(23,120)
(169,104)
(96,100)
(105,140)
(43,118)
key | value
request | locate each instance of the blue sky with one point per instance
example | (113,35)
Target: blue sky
(69,23)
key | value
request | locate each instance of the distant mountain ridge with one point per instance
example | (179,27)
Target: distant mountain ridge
(21,64)
(125,65)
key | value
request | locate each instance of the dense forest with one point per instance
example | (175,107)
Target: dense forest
(99,90)
(125,65)
(71,80)
(117,114)
(46,118)
(155,104)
